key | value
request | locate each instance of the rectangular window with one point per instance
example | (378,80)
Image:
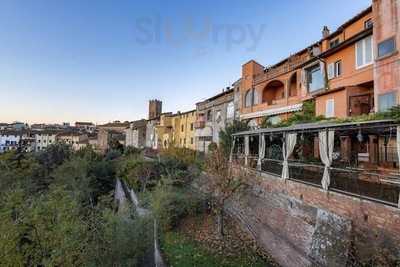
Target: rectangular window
(330,108)
(315,79)
(191,141)
(368,24)
(386,101)
(209,115)
(230,110)
(182,127)
(386,47)
(364,53)
(334,43)
(338,68)
(191,126)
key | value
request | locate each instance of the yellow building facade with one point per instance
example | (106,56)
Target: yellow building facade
(176,130)
(183,129)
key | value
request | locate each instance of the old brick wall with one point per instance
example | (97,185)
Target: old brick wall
(302,225)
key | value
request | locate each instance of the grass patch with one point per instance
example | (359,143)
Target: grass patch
(181,251)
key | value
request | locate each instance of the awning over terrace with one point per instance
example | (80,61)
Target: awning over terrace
(272,111)
(357,158)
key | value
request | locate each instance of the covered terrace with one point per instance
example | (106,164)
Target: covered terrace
(360,159)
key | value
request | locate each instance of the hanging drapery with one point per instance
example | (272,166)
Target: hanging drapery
(232,149)
(287,148)
(246,149)
(326,142)
(398,151)
(261,151)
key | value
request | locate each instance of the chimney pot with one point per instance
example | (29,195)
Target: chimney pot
(325,32)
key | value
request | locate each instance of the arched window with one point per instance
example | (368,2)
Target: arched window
(248,98)
(273,91)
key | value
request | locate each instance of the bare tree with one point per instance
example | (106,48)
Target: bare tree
(224,182)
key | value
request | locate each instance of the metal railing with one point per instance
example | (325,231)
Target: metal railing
(359,183)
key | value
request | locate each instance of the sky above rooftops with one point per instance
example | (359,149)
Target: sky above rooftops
(70,60)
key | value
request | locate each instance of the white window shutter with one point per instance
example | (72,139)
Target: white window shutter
(331,71)
(330,108)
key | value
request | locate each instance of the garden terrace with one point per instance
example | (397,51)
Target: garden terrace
(360,159)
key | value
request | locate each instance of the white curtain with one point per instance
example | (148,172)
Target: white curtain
(246,149)
(326,152)
(232,149)
(261,151)
(287,148)
(398,151)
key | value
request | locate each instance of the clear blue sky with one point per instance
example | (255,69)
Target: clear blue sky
(70,60)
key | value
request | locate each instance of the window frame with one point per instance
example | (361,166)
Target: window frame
(388,54)
(368,22)
(209,115)
(230,110)
(308,74)
(334,42)
(363,41)
(330,101)
(333,69)
(394,93)
(337,66)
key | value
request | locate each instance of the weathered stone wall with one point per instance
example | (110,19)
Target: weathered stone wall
(302,225)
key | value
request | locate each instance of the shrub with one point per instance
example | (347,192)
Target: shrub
(131,150)
(185,155)
(170,204)
(113,154)
(119,241)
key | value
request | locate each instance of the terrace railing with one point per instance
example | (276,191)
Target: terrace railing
(372,186)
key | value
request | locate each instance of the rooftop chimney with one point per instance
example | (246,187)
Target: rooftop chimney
(325,32)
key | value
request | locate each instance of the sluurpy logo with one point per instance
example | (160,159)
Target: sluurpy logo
(203,34)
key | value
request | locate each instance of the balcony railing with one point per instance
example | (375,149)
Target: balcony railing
(291,64)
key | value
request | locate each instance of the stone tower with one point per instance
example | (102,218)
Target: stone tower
(155,108)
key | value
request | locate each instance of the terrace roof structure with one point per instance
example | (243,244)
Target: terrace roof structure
(317,126)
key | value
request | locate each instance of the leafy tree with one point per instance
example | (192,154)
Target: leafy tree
(46,230)
(139,173)
(114,144)
(26,172)
(73,175)
(54,156)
